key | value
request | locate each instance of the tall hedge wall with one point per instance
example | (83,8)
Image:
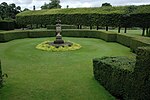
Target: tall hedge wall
(7,25)
(126,16)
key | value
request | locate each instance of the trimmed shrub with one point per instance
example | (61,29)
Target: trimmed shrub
(109,36)
(11,35)
(7,25)
(124,39)
(139,42)
(113,73)
(81,33)
(124,16)
(123,77)
(62,26)
(1,79)
(38,34)
(140,87)
(127,40)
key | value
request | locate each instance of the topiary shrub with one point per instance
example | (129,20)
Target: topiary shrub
(113,73)
(140,86)
(123,77)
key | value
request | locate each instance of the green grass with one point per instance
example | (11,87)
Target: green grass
(40,75)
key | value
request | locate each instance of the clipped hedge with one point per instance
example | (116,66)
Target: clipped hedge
(124,39)
(109,37)
(62,26)
(139,42)
(113,73)
(123,77)
(7,25)
(1,80)
(38,34)
(140,89)
(127,40)
(125,16)
(11,35)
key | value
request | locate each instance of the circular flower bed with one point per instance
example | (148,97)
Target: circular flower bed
(47,47)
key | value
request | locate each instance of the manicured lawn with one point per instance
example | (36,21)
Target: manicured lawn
(41,75)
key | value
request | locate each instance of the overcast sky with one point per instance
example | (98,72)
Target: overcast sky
(75,3)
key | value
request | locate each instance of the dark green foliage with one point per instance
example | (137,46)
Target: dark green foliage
(124,39)
(7,25)
(37,34)
(1,79)
(9,11)
(11,35)
(126,16)
(109,37)
(52,4)
(139,42)
(113,73)
(140,89)
(123,77)
(106,4)
(127,40)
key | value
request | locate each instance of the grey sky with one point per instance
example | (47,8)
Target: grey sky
(75,3)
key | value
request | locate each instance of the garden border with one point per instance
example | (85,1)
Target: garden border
(127,40)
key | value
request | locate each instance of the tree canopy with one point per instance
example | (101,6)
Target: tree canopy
(9,11)
(106,4)
(52,4)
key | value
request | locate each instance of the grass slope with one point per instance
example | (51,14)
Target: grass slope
(41,75)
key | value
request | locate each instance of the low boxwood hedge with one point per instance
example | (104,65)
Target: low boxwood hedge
(11,35)
(38,34)
(124,39)
(123,77)
(127,40)
(139,42)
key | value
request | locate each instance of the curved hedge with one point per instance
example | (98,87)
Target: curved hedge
(129,41)
(125,16)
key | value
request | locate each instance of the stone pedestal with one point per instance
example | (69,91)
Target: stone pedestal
(59,39)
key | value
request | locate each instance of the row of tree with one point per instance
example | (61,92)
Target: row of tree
(56,4)
(9,11)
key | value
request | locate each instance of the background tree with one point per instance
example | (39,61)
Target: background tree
(52,4)
(25,9)
(106,4)
(9,11)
